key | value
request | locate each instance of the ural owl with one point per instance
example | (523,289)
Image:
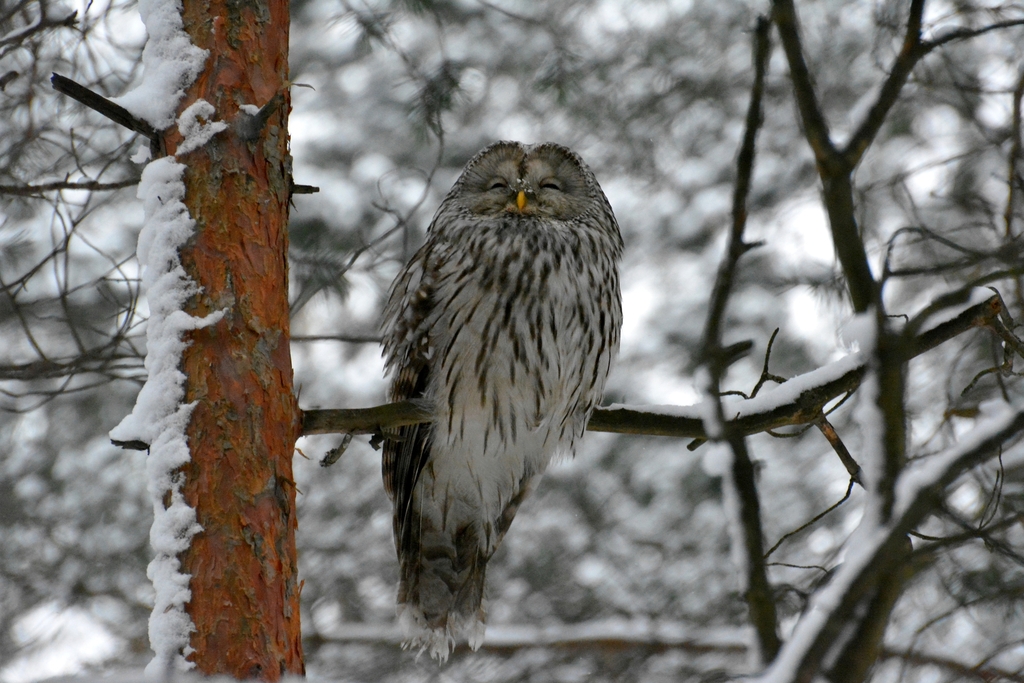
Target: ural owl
(504,323)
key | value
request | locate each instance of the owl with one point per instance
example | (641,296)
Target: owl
(504,325)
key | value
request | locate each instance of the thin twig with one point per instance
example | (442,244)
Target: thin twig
(988,674)
(767,376)
(852,468)
(92,185)
(346,338)
(812,521)
(937,543)
(43,23)
(968,33)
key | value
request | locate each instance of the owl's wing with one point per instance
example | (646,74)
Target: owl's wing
(407,320)
(405,455)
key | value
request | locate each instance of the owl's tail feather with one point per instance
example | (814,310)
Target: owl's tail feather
(443,567)
(439,641)
(441,592)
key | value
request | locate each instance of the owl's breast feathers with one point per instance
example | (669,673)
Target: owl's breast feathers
(506,327)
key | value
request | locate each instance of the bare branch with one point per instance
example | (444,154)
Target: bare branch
(833,166)
(911,52)
(815,126)
(968,33)
(1013,180)
(852,468)
(41,24)
(744,170)
(92,185)
(758,593)
(101,360)
(363,420)
(964,671)
(346,338)
(114,112)
(861,648)
(303,189)
(889,367)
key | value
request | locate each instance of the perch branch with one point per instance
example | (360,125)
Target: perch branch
(804,405)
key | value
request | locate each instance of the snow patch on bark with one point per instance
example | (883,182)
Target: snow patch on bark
(160,416)
(192,126)
(170,63)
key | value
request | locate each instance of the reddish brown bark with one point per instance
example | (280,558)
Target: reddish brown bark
(245,592)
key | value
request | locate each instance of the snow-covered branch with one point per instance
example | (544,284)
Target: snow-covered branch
(616,634)
(874,547)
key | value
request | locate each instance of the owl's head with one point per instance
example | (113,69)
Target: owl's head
(545,180)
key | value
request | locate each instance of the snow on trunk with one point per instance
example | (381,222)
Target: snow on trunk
(171,62)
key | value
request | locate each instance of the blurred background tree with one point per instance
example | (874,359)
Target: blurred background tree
(632,532)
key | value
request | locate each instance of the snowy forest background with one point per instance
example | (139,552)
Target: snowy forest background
(630,535)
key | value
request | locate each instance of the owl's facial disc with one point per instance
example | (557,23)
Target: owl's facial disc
(541,182)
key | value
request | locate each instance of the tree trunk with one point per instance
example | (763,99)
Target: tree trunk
(245,592)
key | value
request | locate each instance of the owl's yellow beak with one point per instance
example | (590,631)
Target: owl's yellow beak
(521,200)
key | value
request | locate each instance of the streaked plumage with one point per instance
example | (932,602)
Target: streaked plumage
(505,322)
